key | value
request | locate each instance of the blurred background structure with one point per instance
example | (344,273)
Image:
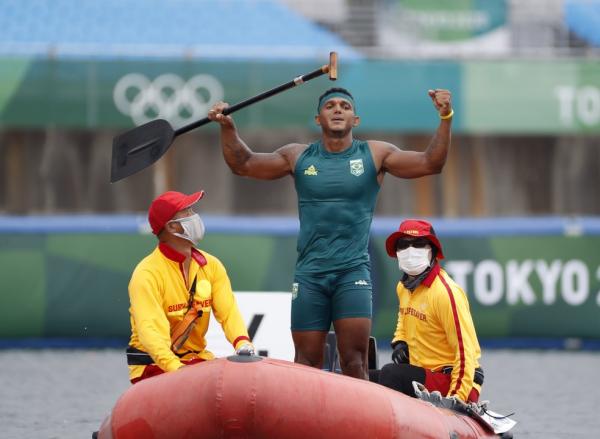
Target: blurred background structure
(524,73)
(525,77)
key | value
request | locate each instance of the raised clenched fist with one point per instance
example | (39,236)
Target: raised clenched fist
(442,101)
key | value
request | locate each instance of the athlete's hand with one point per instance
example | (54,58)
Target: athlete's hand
(400,354)
(216,114)
(245,349)
(442,101)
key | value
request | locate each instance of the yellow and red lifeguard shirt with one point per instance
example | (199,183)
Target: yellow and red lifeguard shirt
(159,295)
(435,321)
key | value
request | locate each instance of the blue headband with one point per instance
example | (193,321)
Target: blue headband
(335,94)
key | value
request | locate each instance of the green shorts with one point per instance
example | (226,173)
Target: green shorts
(320,299)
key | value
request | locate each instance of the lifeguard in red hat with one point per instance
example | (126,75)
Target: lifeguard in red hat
(435,342)
(173,292)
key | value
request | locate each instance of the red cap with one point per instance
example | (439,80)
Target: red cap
(416,229)
(165,206)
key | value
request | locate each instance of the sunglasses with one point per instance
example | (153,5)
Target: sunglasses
(403,244)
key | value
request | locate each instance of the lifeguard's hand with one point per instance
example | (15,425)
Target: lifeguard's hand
(442,101)
(245,349)
(400,354)
(216,114)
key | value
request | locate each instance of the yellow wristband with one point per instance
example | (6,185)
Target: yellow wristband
(448,116)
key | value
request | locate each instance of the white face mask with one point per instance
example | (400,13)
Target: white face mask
(193,228)
(414,261)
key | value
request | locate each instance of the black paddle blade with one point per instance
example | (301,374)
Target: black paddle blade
(138,148)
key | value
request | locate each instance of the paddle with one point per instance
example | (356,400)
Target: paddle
(140,147)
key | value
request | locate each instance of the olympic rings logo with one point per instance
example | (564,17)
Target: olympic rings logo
(166,97)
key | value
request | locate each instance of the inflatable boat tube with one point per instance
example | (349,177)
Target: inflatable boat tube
(261,398)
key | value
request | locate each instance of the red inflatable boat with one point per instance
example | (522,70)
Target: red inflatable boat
(263,398)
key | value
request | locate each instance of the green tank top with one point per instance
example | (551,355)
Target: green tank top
(336,199)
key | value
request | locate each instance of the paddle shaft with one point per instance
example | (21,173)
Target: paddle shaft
(140,147)
(267,94)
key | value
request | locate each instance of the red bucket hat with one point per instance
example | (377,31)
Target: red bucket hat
(416,229)
(165,206)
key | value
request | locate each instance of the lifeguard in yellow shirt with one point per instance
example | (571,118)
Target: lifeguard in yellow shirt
(435,342)
(174,290)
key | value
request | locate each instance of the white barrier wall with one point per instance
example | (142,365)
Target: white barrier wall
(267,316)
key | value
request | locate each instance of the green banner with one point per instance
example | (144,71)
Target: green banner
(120,94)
(517,286)
(531,97)
(392,95)
(491,97)
(456,20)
(75,284)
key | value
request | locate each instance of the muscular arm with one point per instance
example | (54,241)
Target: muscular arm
(245,162)
(413,164)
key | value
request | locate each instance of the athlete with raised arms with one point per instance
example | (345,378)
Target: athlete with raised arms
(337,180)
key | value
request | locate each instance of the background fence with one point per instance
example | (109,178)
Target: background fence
(66,277)
(525,79)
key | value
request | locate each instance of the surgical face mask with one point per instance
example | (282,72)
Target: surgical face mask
(414,261)
(193,228)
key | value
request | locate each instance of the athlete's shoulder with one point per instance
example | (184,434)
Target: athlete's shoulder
(292,150)
(380,148)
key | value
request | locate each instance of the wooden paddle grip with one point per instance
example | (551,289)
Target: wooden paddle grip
(333,60)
